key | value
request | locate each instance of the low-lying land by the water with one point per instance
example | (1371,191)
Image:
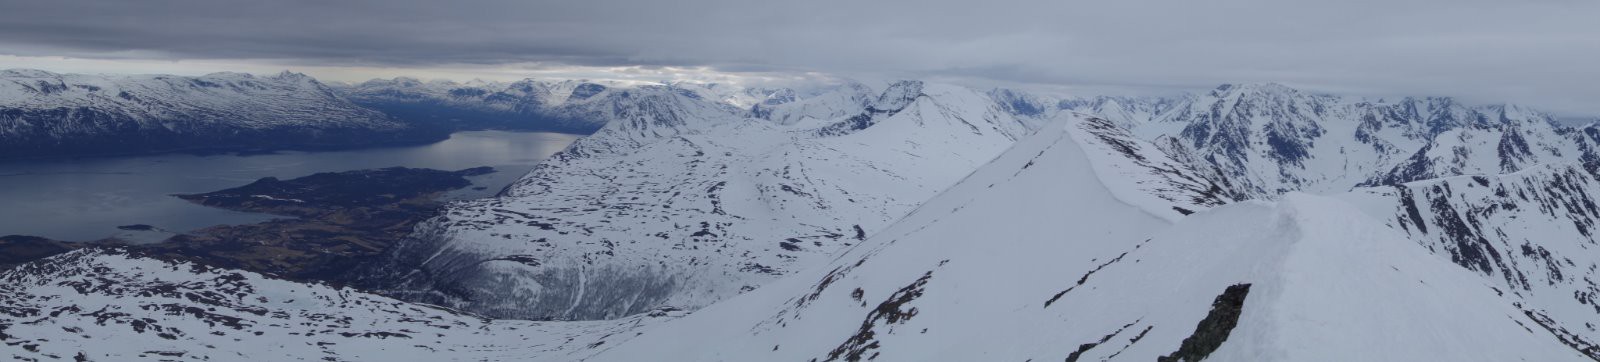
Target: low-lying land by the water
(334,221)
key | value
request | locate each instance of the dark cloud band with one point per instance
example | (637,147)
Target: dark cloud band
(1528,51)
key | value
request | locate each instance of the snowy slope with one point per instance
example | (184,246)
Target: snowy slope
(1530,233)
(1150,179)
(49,114)
(678,205)
(109,305)
(1034,257)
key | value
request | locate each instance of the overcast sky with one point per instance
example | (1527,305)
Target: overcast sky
(1536,52)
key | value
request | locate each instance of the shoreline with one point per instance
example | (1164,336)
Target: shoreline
(255,151)
(325,223)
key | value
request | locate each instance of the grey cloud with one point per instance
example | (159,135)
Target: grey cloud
(1536,52)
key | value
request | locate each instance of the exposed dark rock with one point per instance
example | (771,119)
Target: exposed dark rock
(1088,346)
(890,311)
(1215,328)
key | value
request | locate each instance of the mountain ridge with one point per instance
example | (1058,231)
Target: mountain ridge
(44,114)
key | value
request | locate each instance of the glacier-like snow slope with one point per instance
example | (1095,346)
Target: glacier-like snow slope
(1268,139)
(1530,233)
(109,305)
(676,204)
(1035,257)
(49,114)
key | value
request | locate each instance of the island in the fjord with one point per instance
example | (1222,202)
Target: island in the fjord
(335,220)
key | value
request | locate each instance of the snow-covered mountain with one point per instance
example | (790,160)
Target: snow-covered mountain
(49,114)
(112,305)
(1530,233)
(844,100)
(1268,139)
(1132,113)
(1505,148)
(681,203)
(1038,256)
(743,97)
(1148,177)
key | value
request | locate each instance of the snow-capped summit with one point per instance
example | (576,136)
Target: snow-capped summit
(1022,103)
(288,75)
(1131,113)
(843,100)
(780,96)
(584,91)
(897,96)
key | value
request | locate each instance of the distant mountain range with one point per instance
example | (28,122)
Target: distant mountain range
(922,222)
(46,114)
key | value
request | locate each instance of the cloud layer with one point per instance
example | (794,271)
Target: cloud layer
(1538,52)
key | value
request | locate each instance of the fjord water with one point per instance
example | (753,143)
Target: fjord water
(86,199)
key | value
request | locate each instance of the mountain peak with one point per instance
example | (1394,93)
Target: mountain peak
(898,95)
(780,96)
(1018,102)
(289,75)
(585,91)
